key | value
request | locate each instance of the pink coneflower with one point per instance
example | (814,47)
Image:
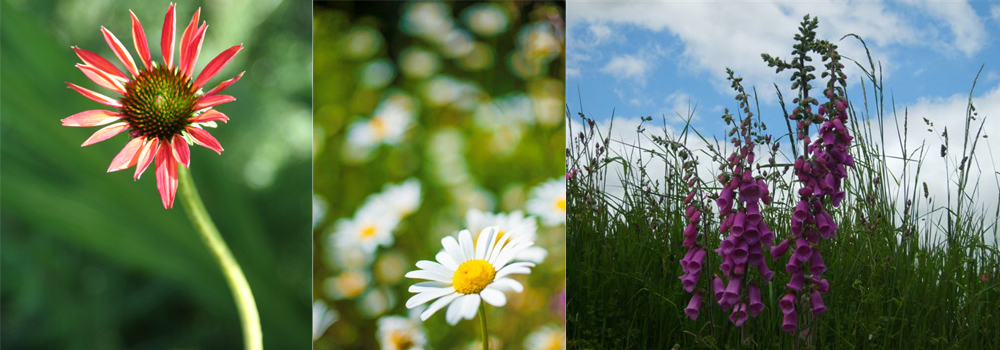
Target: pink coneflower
(162,106)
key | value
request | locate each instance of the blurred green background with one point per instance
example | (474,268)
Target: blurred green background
(486,86)
(91,260)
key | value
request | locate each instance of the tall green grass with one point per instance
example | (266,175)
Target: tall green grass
(905,272)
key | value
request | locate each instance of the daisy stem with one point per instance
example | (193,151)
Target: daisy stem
(245,304)
(482,321)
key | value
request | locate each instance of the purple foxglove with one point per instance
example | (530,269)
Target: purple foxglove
(790,322)
(689,281)
(690,211)
(817,303)
(802,250)
(737,228)
(816,266)
(696,260)
(756,305)
(749,192)
(739,315)
(801,212)
(719,287)
(740,252)
(821,285)
(787,303)
(780,249)
(753,212)
(694,306)
(796,282)
(732,293)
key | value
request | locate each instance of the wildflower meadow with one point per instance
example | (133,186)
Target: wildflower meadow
(791,236)
(439,198)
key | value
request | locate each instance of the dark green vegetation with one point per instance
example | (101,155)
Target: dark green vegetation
(904,272)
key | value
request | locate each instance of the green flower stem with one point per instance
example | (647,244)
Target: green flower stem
(250,319)
(482,321)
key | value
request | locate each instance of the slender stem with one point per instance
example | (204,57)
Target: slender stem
(482,321)
(245,304)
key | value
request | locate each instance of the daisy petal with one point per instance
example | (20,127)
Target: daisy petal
(493,297)
(216,65)
(186,38)
(103,79)
(213,100)
(532,254)
(167,39)
(91,118)
(203,138)
(107,101)
(139,39)
(428,275)
(224,85)
(126,157)
(181,151)
(95,60)
(435,267)
(511,270)
(454,313)
(105,133)
(421,287)
(424,297)
(470,304)
(145,157)
(485,239)
(438,305)
(194,49)
(465,241)
(166,175)
(505,284)
(451,246)
(120,51)
(209,116)
(445,259)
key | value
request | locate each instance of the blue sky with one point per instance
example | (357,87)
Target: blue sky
(658,58)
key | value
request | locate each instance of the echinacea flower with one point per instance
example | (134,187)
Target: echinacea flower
(162,106)
(548,202)
(466,274)
(400,333)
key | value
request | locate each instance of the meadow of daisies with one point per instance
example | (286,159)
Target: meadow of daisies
(439,192)
(799,236)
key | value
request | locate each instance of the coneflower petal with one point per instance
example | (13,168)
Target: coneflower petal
(181,150)
(216,65)
(209,116)
(139,39)
(186,38)
(214,100)
(105,133)
(145,157)
(166,175)
(126,158)
(107,101)
(103,79)
(96,61)
(91,118)
(204,139)
(224,85)
(167,39)
(194,49)
(120,51)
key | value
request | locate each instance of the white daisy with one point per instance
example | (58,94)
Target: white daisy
(546,338)
(400,333)
(515,223)
(402,200)
(548,202)
(323,317)
(369,229)
(466,274)
(388,124)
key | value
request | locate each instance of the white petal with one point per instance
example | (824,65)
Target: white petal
(485,240)
(510,270)
(435,267)
(454,313)
(445,259)
(437,305)
(425,286)
(470,305)
(451,246)
(465,241)
(429,275)
(505,284)
(532,254)
(493,297)
(424,297)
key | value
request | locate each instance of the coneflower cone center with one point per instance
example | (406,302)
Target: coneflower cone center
(473,276)
(158,103)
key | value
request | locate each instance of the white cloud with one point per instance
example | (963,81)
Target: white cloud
(627,67)
(600,32)
(680,106)
(968,33)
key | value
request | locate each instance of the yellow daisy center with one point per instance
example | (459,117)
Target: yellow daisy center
(378,125)
(561,204)
(400,340)
(368,231)
(473,276)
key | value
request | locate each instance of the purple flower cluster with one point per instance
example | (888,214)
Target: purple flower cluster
(820,170)
(748,236)
(694,260)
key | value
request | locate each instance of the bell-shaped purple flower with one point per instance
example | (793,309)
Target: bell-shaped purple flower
(719,287)
(817,303)
(753,212)
(689,281)
(739,315)
(780,249)
(796,282)
(750,192)
(816,265)
(801,212)
(727,245)
(694,306)
(822,285)
(690,211)
(695,263)
(787,303)
(732,293)
(740,252)
(737,228)
(725,200)
(802,250)
(756,305)
(790,322)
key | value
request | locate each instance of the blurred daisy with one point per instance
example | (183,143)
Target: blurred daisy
(486,19)
(416,62)
(347,285)
(546,338)
(400,333)
(388,125)
(323,317)
(162,106)
(514,224)
(401,200)
(345,255)
(466,274)
(539,42)
(548,202)
(369,229)
(429,20)
(376,302)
